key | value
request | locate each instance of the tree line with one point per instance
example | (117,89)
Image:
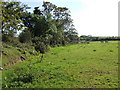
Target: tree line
(47,26)
(94,38)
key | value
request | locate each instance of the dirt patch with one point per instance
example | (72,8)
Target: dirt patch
(20,59)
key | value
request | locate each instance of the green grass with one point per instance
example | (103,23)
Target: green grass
(11,55)
(93,65)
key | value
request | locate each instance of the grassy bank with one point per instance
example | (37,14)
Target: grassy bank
(93,65)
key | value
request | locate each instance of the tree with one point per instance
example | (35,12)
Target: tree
(59,20)
(37,11)
(51,23)
(11,12)
(36,23)
(27,19)
(40,26)
(48,9)
(71,34)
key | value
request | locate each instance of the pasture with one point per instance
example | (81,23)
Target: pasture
(93,65)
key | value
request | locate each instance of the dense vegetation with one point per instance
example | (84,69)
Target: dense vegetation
(48,26)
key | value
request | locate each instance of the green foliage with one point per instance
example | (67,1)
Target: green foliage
(102,39)
(41,26)
(11,12)
(37,11)
(40,44)
(7,38)
(49,24)
(71,35)
(42,47)
(25,37)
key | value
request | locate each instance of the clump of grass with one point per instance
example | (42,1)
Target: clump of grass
(64,58)
(110,50)
(94,50)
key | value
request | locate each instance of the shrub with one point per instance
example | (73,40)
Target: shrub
(7,37)
(10,40)
(25,36)
(40,44)
(42,47)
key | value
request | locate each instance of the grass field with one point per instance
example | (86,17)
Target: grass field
(93,65)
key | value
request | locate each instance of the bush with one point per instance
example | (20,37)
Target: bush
(25,36)
(11,40)
(7,37)
(40,46)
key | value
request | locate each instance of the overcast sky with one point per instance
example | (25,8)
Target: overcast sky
(91,17)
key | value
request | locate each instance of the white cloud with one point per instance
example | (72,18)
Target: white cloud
(98,18)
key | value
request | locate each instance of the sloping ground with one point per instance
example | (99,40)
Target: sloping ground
(12,55)
(93,65)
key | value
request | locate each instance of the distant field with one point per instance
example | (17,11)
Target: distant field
(93,65)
